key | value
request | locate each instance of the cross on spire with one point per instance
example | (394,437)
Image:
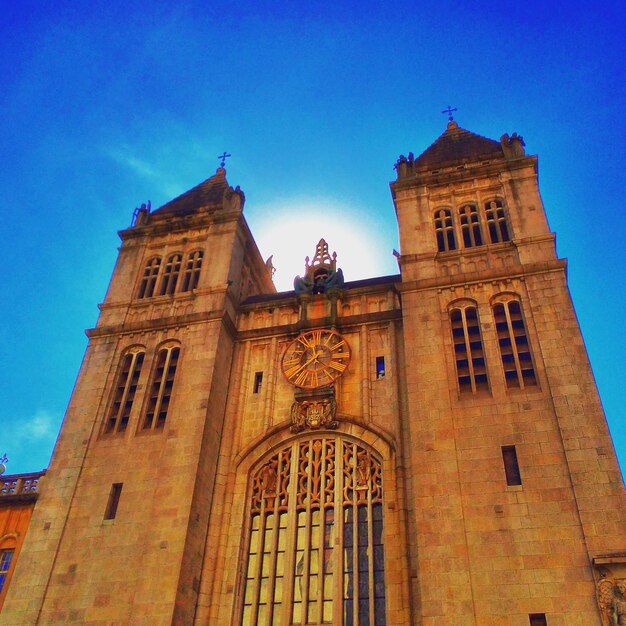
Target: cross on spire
(223,157)
(449,111)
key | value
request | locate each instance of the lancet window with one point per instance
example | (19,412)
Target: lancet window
(6,556)
(125,390)
(149,278)
(513,342)
(170,274)
(315,539)
(496,222)
(192,270)
(469,355)
(444,230)
(470,226)
(161,385)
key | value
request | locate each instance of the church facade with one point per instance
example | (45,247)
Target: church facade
(426,449)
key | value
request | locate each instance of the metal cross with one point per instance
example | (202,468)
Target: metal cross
(223,157)
(449,111)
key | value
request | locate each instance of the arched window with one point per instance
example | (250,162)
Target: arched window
(170,274)
(149,278)
(192,270)
(161,385)
(125,389)
(315,542)
(6,556)
(470,226)
(469,356)
(444,230)
(496,222)
(513,341)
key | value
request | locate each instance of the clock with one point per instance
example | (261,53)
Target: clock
(315,359)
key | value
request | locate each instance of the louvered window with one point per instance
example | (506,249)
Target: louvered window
(125,390)
(469,356)
(160,390)
(514,347)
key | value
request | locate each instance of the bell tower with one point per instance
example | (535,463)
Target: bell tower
(509,447)
(140,439)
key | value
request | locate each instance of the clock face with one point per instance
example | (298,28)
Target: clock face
(316,359)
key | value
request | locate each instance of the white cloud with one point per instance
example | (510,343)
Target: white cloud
(41,426)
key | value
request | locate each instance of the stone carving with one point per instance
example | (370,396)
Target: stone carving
(405,165)
(321,273)
(612,601)
(234,199)
(313,414)
(270,266)
(362,470)
(141,214)
(267,477)
(513,146)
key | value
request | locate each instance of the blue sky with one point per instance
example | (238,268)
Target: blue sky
(104,107)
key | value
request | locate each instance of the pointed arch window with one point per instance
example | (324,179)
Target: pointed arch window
(161,386)
(170,275)
(444,230)
(149,278)
(6,557)
(125,390)
(470,226)
(513,342)
(496,222)
(315,541)
(469,356)
(192,270)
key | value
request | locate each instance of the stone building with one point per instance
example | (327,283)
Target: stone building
(425,449)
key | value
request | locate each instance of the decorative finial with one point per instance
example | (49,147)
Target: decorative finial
(449,111)
(4,459)
(223,158)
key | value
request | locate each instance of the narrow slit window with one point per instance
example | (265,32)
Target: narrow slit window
(511,466)
(160,389)
(170,275)
(6,556)
(513,343)
(470,226)
(444,230)
(538,619)
(125,390)
(496,222)
(192,270)
(113,501)
(469,356)
(149,278)
(380,367)
(258,382)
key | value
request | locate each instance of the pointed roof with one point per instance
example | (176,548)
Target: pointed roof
(210,192)
(458,144)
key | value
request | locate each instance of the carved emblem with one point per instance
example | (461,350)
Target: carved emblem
(612,601)
(313,414)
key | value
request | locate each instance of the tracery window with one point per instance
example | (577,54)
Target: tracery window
(125,389)
(496,222)
(161,385)
(192,270)
(315,543)
(170,274)
(470,226)
(444,230)
(513,341)
(469,356)
(149,278)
